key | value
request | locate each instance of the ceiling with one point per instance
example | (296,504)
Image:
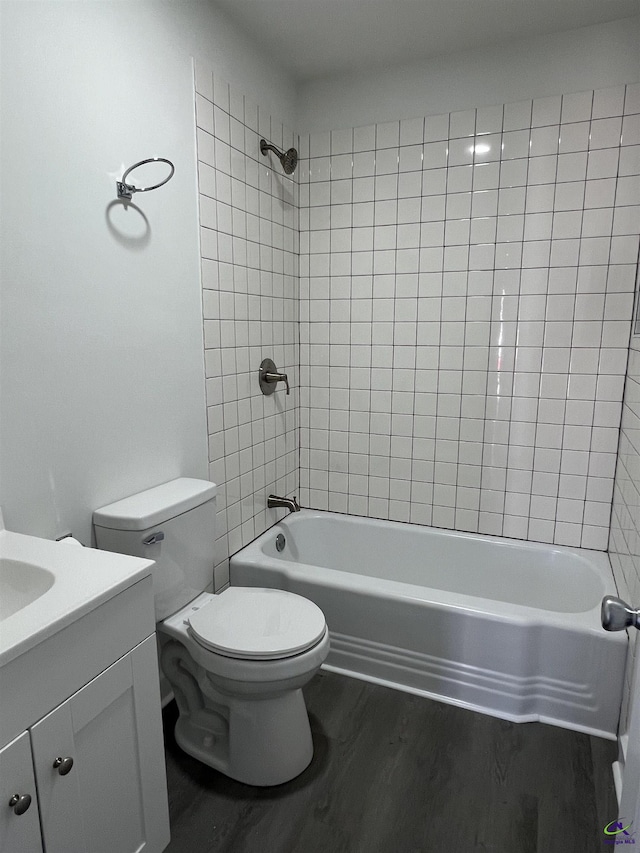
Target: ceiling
(318,38)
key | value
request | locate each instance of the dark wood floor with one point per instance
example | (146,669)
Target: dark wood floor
(396,773)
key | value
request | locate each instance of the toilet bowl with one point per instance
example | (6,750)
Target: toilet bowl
(238,689)
(237,660)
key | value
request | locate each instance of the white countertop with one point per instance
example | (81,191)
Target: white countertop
(83,579)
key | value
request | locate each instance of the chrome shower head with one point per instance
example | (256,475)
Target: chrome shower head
(288,159)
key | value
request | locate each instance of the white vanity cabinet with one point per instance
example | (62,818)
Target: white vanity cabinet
(92,756)
(99,768)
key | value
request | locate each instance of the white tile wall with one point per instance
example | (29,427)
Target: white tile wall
(465,305)
(464,300)
(249,240)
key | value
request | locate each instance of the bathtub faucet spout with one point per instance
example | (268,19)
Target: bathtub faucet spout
(274,502)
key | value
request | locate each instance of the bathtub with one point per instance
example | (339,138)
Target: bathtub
(503,627)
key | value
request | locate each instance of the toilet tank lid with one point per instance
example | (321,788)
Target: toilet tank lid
(154,506)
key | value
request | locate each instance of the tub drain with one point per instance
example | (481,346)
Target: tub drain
(280,542)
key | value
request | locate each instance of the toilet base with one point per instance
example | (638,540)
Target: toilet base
(266,742)
(260,739)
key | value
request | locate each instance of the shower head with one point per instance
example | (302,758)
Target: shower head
(288,160)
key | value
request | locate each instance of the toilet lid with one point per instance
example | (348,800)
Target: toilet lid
(258,624)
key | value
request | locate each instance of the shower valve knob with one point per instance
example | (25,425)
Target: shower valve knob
(268,377)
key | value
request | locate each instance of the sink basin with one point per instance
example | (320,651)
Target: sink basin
(66,614)
(20,584)
(45,586)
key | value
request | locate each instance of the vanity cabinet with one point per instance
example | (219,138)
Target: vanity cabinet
(99,768)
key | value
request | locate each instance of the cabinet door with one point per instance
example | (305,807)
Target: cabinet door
(114,797)
(19,833)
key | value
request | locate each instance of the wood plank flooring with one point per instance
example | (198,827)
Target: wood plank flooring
(396,773)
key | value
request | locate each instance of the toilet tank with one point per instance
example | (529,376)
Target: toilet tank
(173,524)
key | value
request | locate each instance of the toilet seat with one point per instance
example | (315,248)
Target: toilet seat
(249,623)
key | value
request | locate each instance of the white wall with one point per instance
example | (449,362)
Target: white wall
(101,348)
(588,58)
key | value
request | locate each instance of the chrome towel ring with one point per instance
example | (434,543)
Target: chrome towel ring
(126,190)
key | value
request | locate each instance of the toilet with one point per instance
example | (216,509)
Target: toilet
(236,661)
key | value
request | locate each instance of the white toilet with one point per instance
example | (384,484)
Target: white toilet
(236,661)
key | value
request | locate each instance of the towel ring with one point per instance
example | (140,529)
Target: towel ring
(126,190)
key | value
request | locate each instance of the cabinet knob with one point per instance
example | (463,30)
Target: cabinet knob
(20,803)
(63,765)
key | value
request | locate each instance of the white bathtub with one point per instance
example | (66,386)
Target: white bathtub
(500,626)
